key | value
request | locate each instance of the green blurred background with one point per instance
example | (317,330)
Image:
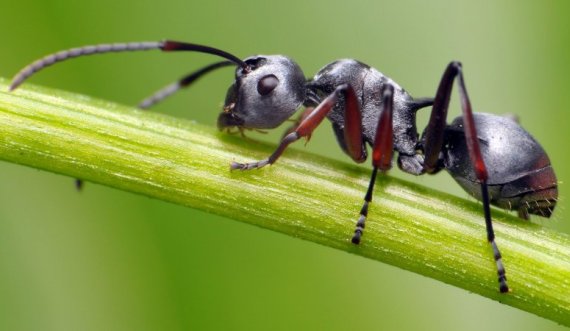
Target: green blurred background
(110,260)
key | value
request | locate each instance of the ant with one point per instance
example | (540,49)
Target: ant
(488,155)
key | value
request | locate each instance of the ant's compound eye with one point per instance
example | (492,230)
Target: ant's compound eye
(267,84)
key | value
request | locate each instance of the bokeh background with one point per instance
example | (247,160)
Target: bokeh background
(109,260)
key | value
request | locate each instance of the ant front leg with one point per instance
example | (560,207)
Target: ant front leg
(434,139)
(304,129)
(296,122)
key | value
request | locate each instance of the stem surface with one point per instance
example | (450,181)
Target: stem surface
(303,195)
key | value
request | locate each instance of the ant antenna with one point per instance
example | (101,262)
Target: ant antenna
(183,82)
(167,46)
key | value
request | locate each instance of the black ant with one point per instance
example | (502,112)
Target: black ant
(490,156)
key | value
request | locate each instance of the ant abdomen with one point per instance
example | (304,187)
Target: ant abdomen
(520,174)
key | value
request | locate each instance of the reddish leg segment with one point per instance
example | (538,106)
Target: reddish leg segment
(434,143)
(353,127)
(306,112)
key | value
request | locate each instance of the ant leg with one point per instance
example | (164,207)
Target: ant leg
(304,129)
(434,142)
(183,82)
(297,122)
(353,143)
(381,154)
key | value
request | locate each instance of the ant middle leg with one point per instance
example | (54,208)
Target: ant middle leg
(382,152)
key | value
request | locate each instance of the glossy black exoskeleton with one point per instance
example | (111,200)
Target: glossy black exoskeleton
(490,156)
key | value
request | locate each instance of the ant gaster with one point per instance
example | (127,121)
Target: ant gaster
(490,156)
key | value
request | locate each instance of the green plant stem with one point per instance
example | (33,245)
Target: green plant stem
(303,195)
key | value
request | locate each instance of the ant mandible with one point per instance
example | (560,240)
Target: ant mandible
(490,156)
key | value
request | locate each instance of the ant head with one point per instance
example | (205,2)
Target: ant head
(265,93)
